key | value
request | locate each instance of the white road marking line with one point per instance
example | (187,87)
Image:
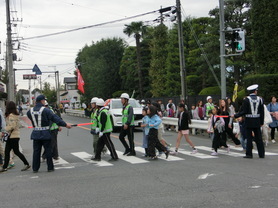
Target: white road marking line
(198,154)
(223,152)
(87,158)
(254,151)
(170,158)
(203,176)
(130,159)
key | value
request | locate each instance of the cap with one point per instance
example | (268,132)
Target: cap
(209,97)
(125,95)
(253,87)
(40,98)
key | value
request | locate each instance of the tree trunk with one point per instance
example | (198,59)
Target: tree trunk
(138,51)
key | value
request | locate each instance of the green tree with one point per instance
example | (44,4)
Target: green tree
(100,66)
(137,29)
(265,33)
(157,71)
(49,92)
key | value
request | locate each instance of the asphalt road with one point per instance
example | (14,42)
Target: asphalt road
(181,181)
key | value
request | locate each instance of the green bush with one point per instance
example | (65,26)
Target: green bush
(210,91)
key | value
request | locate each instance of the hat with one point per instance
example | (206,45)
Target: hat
(253,87)
(209,97)
(40,98)
(100,102)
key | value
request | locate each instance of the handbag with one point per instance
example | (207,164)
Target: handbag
(274,124)
(6,136)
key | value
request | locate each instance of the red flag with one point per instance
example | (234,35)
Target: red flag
(80,81)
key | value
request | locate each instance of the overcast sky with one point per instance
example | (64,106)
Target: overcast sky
(58,52)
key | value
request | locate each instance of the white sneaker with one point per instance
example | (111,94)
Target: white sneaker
(173,153)
(214,153)
(194,151)
(228,149)
(273,141)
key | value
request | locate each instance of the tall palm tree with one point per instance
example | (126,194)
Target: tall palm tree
(137,29)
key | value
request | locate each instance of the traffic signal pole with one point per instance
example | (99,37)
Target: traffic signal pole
(222,49)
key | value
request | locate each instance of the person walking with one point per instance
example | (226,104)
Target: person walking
(127,126)
(227,112)
(104,129)
(41,118)
(153,142)
(253,111)
(273,109)
(183,128)
(12,128)
(146,129)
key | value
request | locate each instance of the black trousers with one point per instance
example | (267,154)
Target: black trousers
(13,144)
(105,140)
(153,143)
(54,145)
(218,140)
(229,131)
(258,140)
(37,148)
(272,133)
(130,135)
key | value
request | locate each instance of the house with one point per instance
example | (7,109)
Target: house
(70,95)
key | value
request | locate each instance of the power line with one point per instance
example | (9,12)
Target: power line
(90,26)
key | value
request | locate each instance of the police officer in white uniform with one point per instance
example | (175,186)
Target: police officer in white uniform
(253,111)
(42,119)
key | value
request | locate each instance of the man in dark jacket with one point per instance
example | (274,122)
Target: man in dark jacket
(253,110)
(42,119)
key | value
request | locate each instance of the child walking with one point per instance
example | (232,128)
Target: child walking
(146,130)
(183,128)
(153,123)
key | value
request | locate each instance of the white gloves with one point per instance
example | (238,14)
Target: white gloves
(97,130)
(100,134)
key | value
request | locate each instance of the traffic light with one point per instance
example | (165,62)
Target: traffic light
(239,41)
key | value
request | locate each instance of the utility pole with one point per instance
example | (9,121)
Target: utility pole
(181,52)
(222,49)
(9,56)
(57,86)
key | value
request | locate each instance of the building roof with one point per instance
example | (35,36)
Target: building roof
(69,80)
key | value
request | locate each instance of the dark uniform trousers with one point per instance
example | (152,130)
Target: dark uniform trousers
(37,146)
(257,139)
(105,140)
(54,145)
(130,135)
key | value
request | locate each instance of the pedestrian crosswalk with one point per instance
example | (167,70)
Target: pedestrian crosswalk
(183,154)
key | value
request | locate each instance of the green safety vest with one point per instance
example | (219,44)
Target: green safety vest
(108,125)
(94,119)
(209,106)
(54,125)
(125,116)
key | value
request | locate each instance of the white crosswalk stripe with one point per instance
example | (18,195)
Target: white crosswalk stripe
(203,153)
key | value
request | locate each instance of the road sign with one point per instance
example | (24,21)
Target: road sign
(29,76)
(36,69)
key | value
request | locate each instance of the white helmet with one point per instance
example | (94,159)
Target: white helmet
(125,95)
(94,100)
(100,102)
(46,103)
(209,97)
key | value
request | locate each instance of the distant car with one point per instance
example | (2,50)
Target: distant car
(116,107)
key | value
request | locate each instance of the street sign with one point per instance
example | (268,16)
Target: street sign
(36,69)
(29,76)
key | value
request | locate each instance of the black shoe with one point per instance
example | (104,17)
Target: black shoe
(248,157)
(26,167)
(261,156)
(35,171)
(113,159)
(3,170)
(167,154)
(50,170)
(126,152)
(96,159)
(131,154)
